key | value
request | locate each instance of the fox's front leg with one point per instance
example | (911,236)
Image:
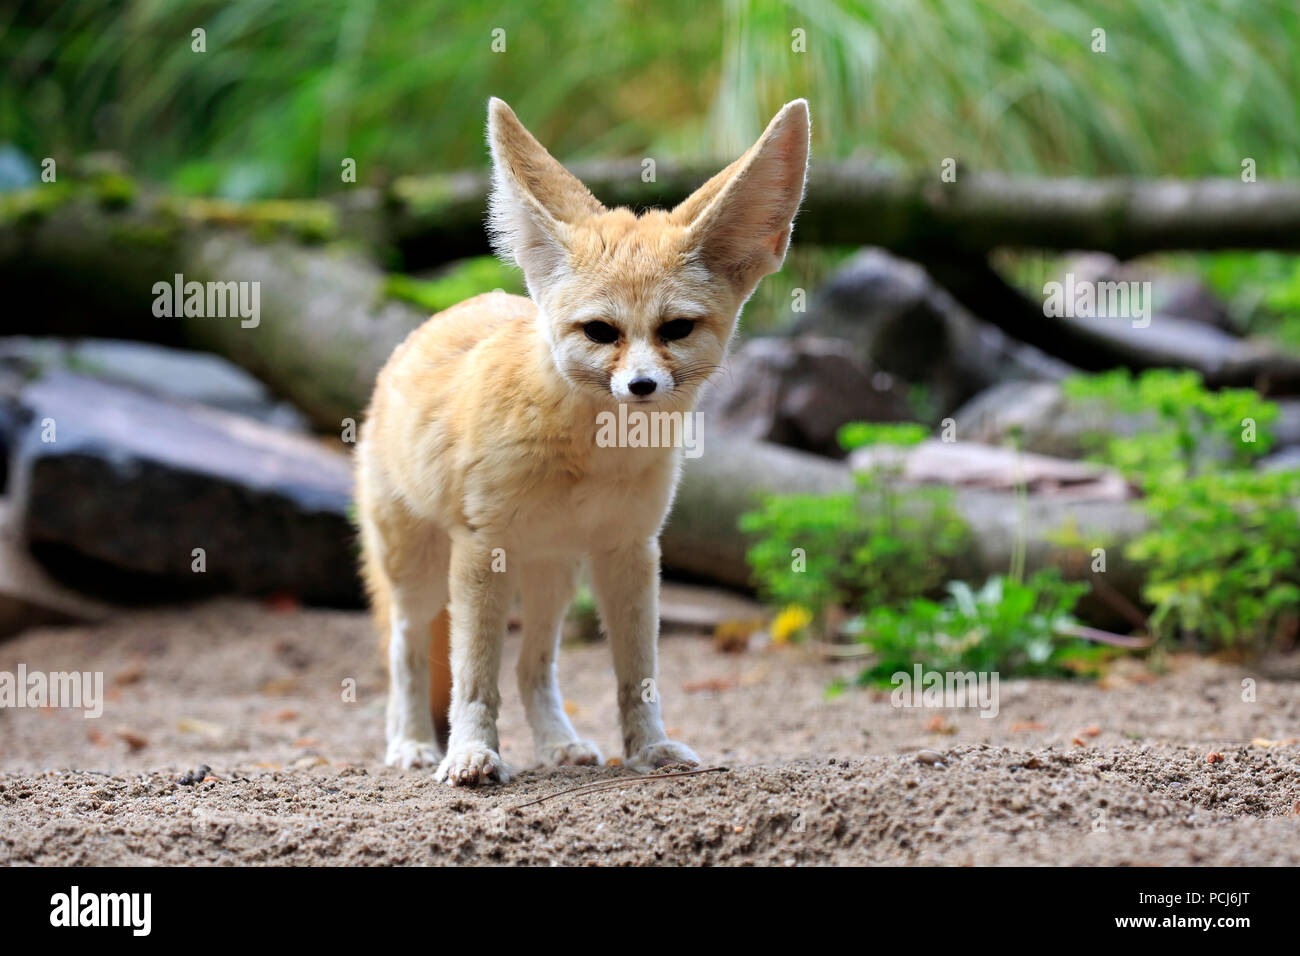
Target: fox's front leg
(626,585)
(479,609)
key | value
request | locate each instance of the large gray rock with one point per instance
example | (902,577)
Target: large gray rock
(799,391)
(198,377)
(1037,417)
(28,596)
(900,321)
(132,484)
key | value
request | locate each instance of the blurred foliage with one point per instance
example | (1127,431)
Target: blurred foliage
(462,280)
(1223,539)
(1186,427)
(1262,290)
(287,88)
(860,434)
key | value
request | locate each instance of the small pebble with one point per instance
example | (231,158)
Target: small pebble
(929,757)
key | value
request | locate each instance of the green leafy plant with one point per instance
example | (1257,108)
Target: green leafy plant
(877,544)
(884,551)
(1006,626)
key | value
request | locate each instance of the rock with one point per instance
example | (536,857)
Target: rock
(1170,341)
(29,597)
(198,377)
(131,485)
(900,321)
(929,757)
(703,608)
(971,465)
(1286,430)
(799,391)
(1177,295)
(1037,417)
(1288,459)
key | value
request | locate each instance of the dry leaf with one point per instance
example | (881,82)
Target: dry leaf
(938,725)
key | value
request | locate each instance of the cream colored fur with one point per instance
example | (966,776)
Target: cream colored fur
(478,469)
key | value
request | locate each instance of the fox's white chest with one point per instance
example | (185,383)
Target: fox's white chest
(620,500)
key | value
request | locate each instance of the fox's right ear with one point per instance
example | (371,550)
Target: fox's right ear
(534,199)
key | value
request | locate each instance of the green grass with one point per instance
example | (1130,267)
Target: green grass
(288,88)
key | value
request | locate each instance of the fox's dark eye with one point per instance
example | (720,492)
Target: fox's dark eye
(676,329)
(601,332)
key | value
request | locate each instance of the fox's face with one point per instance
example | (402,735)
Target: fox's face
(639,309)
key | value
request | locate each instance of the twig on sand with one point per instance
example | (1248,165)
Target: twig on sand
(615,784)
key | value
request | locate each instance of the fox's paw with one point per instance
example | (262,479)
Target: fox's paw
(409,753)
(575,753)
(472,765)
(653,756)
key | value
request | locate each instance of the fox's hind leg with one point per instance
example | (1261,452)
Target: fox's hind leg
(546,588)
(417,597)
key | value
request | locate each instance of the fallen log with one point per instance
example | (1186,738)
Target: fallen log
(851,203)
(110,252)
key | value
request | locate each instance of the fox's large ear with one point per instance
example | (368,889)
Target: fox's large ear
(534,198)
(741,218)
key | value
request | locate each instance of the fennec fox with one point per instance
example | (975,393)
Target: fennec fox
(479,471)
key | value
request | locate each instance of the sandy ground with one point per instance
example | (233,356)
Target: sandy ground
(1068,773)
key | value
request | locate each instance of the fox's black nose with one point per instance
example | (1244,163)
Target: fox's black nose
(642,386)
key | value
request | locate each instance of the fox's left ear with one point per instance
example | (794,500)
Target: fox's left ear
(534,198)
(740,219)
